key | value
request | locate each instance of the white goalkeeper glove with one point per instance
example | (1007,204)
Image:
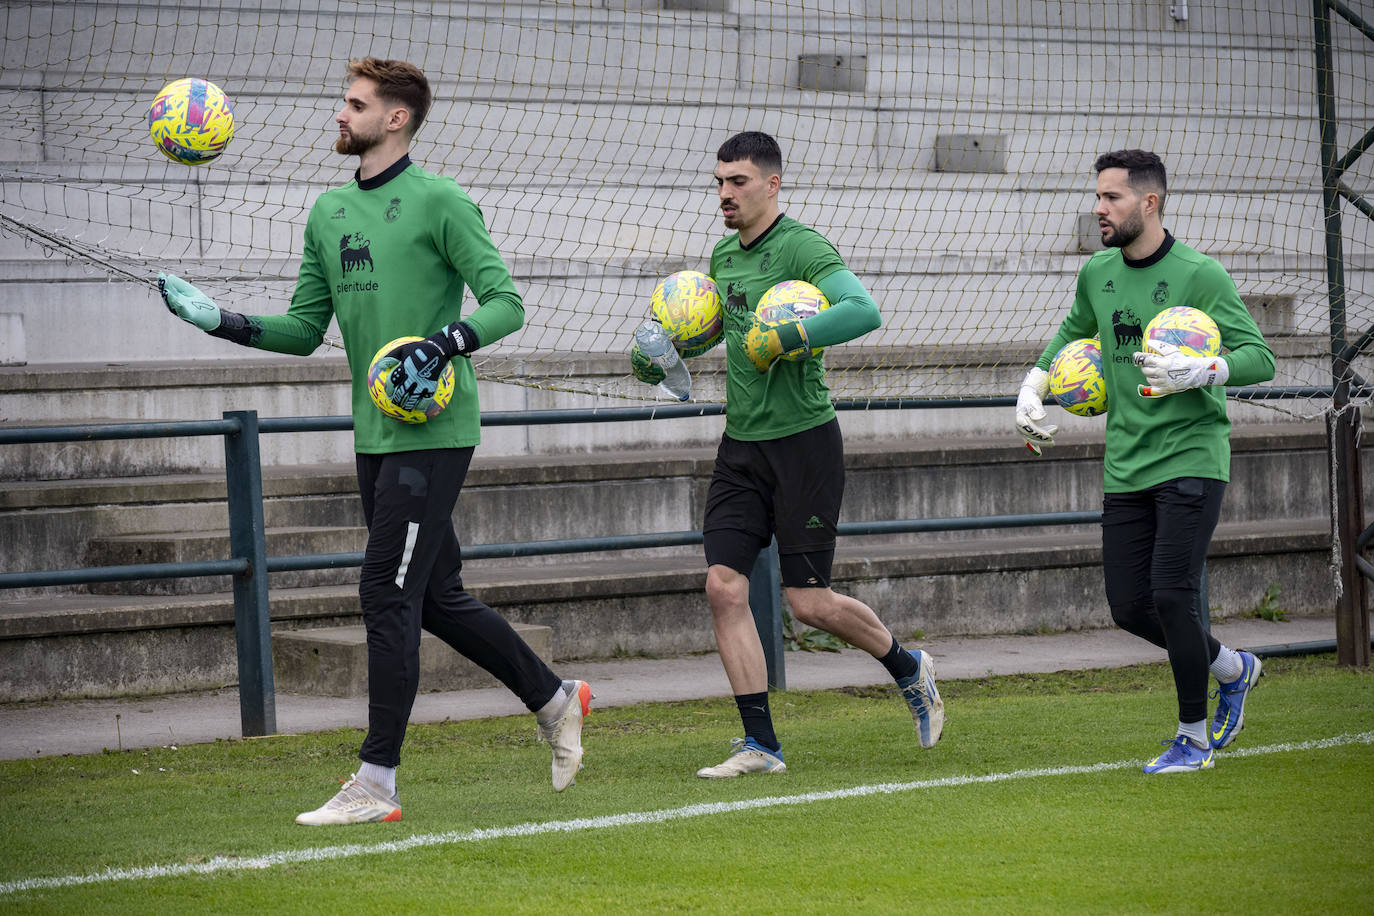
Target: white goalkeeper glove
(1030,410)
(1168,371)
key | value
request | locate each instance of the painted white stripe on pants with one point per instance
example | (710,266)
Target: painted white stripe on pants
(325,853)
(412,532)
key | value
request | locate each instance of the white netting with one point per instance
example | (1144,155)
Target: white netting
(945,148)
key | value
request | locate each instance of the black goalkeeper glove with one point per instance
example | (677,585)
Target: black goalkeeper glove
(420,363)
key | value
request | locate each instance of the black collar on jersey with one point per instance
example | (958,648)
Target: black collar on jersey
(762,235)
(381,178)
(1155,258)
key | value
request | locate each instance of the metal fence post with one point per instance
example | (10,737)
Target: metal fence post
(765,601)
(248,539)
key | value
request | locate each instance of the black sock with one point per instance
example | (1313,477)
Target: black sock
(758,722)
(899,662)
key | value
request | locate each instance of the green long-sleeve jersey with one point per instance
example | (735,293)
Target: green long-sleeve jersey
(1151,440)
(792,396)
(390,256)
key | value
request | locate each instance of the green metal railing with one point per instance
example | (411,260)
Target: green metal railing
(247,529)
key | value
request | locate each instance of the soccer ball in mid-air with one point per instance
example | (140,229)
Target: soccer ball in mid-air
(687,304)
(1191,330)
(792,299)
(1076,379)
(191,121)
(424,411)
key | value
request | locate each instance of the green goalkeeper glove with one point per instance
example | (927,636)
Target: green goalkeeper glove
(764,344)
(188,303)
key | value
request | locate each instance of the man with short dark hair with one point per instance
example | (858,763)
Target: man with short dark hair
(1168,447)
(780,467)
(389,254)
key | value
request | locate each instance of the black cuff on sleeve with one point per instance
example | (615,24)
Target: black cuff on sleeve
(457,339)
(243,330)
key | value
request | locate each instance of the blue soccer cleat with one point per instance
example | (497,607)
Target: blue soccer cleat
(1230,715)
(1181,755)
(922,697)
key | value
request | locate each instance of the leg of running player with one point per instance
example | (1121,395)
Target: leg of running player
(808,491)
(737,527)
(402,511)
(486,638)
(1153,545)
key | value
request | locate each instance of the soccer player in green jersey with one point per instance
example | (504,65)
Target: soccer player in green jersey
(388,255)
(779,469)
(1168,449)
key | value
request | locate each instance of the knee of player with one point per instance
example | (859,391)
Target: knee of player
(814,607)
(726,588)
(1130,615)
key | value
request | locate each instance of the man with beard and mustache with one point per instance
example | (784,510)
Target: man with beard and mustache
(389,255)
(1168,450)
(779,470)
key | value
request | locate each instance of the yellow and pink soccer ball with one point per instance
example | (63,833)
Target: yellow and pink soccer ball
(426,410)
(191,121)
(1076,379)
(792,299)
(1191,330)
(688,306)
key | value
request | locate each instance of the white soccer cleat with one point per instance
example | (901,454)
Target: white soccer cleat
(746,756)
(358,802)
(923,699)
(564,734)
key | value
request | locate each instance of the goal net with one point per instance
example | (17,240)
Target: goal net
(945,148)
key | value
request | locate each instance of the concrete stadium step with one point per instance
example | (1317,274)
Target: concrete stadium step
(106,645)
(198,546)
(332,661)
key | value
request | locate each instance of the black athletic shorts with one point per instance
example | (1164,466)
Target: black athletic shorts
(790,487)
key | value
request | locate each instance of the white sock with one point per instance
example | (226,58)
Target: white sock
(381,777)
(551,710)
(1228,665)
(1195,732)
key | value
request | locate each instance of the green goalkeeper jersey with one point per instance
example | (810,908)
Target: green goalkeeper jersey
(792,396)
(390,256)
(1187,434)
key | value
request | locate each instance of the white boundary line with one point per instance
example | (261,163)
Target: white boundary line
(325,853)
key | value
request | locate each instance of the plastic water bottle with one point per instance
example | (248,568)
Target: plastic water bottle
(654,343)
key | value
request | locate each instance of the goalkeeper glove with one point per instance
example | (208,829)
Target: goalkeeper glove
(1030,410)
(645,369)
(419,363)
(188,303)
(765,343)
(1167,370)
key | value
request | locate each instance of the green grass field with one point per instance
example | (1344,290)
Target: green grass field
(1006,815)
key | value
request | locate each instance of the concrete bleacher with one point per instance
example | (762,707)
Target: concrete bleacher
(586,132)
(163,635)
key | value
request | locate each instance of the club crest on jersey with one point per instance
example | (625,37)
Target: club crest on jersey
(767,260)
(1161,293)
(354,252)
(736,297)
(393,212)
(1127,328)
